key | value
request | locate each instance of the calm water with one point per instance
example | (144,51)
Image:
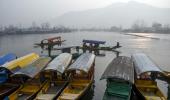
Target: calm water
(157,49)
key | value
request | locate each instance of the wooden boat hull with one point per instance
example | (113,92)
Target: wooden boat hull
(27,91)
(149,90)
(51,90)
(76,89)
(117,91)
(46,44)
(7,88)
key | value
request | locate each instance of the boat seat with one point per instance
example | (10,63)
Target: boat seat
(29,89)
(68,96)
(45,97)
(79,84)
(154,98)
(146,86)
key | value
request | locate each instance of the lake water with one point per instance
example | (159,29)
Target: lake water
(157,49)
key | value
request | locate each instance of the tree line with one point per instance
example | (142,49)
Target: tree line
(33,29)
(139,26)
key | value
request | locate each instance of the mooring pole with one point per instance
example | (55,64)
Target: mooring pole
(49,50)
(168,96)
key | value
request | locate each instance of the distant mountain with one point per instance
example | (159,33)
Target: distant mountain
(124,14)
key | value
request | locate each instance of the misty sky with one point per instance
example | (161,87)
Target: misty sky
(19,10)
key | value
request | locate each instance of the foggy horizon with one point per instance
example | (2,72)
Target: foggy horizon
(24,13)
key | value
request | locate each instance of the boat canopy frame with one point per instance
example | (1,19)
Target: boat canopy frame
(120,68)
(143,64)
(83,63)
(62,66)
(33,69)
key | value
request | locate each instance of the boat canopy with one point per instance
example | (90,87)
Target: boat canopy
(94,41)
(7,58)
(33,69)
(143,64)
(21,62)
(120,68)
(60,63)
(83,63)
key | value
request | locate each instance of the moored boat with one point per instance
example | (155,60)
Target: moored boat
(120,78)
(21,62)
(82,76)
(50,41)
(14,65)
(36,81)
(7,58)
(146,73)
(57,79)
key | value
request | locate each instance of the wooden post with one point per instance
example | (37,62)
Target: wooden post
(49,50)
(168,92)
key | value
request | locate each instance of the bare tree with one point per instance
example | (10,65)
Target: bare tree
(139,26)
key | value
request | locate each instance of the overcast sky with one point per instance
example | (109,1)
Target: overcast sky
(47,9)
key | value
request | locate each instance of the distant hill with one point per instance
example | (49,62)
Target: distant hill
(117,14)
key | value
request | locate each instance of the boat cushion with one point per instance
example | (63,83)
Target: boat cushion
(118,89)
(69,96)
(154,98)
(45,97)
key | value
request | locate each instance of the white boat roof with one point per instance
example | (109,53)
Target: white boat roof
(143,64)
(83,63)
(60,63)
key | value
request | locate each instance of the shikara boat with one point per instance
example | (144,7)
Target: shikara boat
(82,76)
(21,62)
(56,77)
(97,47)
(146,73)
(7,58)
(14,65)
(120,78)
(33,85)
(50,41)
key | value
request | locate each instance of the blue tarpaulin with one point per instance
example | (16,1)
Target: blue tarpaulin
(6,58)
